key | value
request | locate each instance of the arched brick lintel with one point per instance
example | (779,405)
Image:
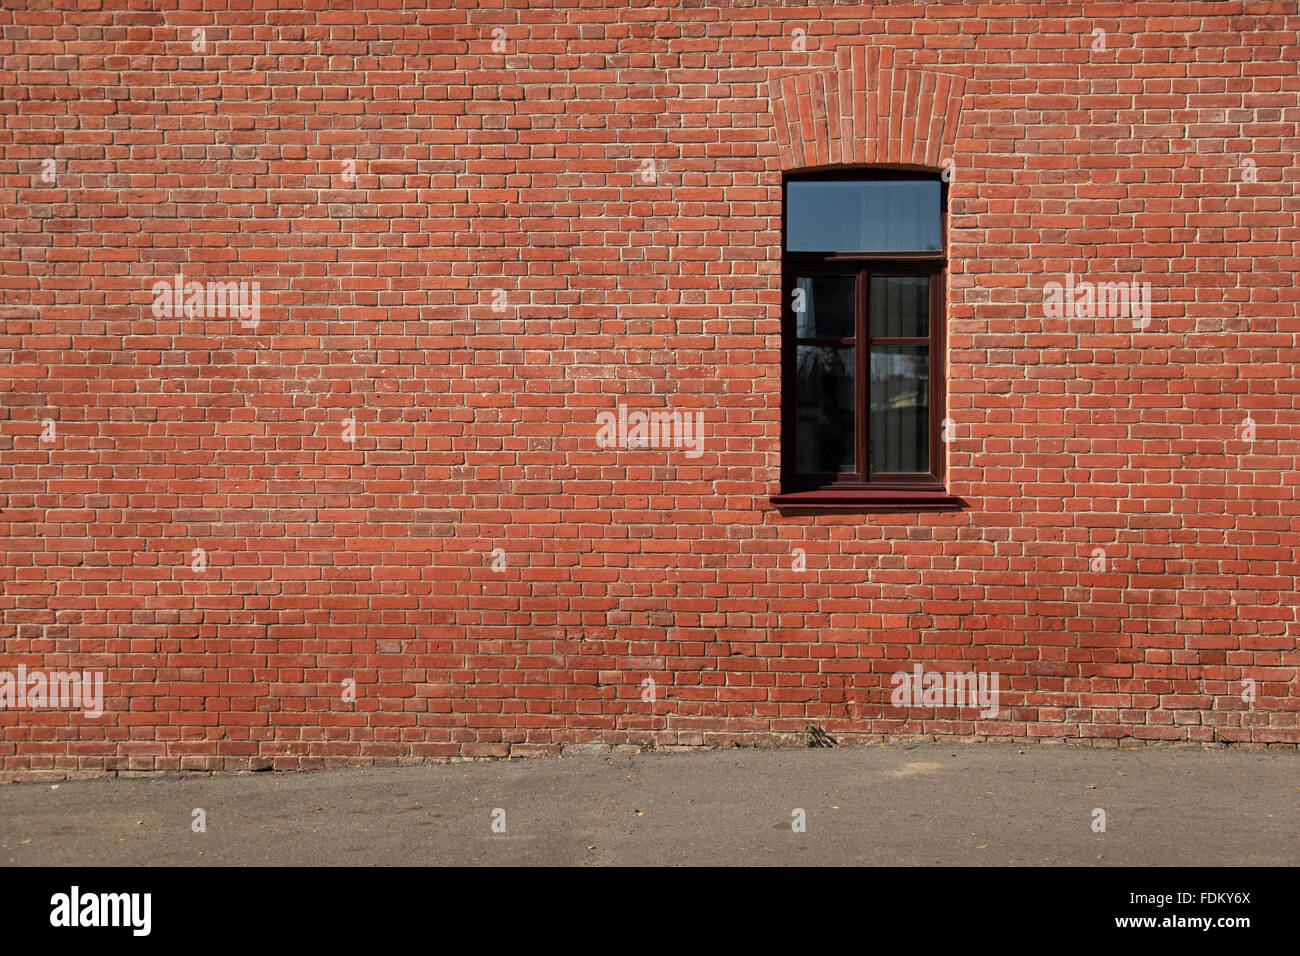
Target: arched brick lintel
(866,111)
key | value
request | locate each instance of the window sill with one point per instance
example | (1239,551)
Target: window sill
(894,499)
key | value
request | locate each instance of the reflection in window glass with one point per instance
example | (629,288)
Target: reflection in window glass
(899,307)
(825,395)
(824,307)
(900,409)
(886,215)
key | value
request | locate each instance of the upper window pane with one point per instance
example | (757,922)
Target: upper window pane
(899,306)
(863,215)
(824,307)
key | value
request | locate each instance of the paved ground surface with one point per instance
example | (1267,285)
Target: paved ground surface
(922,804)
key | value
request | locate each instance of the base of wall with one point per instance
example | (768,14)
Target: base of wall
(206,766)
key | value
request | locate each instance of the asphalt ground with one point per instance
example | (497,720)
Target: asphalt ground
(918,804)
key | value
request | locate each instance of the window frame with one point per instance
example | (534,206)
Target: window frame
(863,488)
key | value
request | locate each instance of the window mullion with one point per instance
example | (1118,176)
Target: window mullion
(938,374)
(864,384)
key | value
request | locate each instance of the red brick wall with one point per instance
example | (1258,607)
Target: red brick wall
(1167,157)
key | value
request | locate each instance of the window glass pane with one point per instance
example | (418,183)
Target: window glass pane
(824,307)
(824,408)
(900,307)
(887,215)
(900,409)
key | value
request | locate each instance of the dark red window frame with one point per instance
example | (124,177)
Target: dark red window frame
(865,489)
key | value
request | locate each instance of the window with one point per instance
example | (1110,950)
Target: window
(863,341)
